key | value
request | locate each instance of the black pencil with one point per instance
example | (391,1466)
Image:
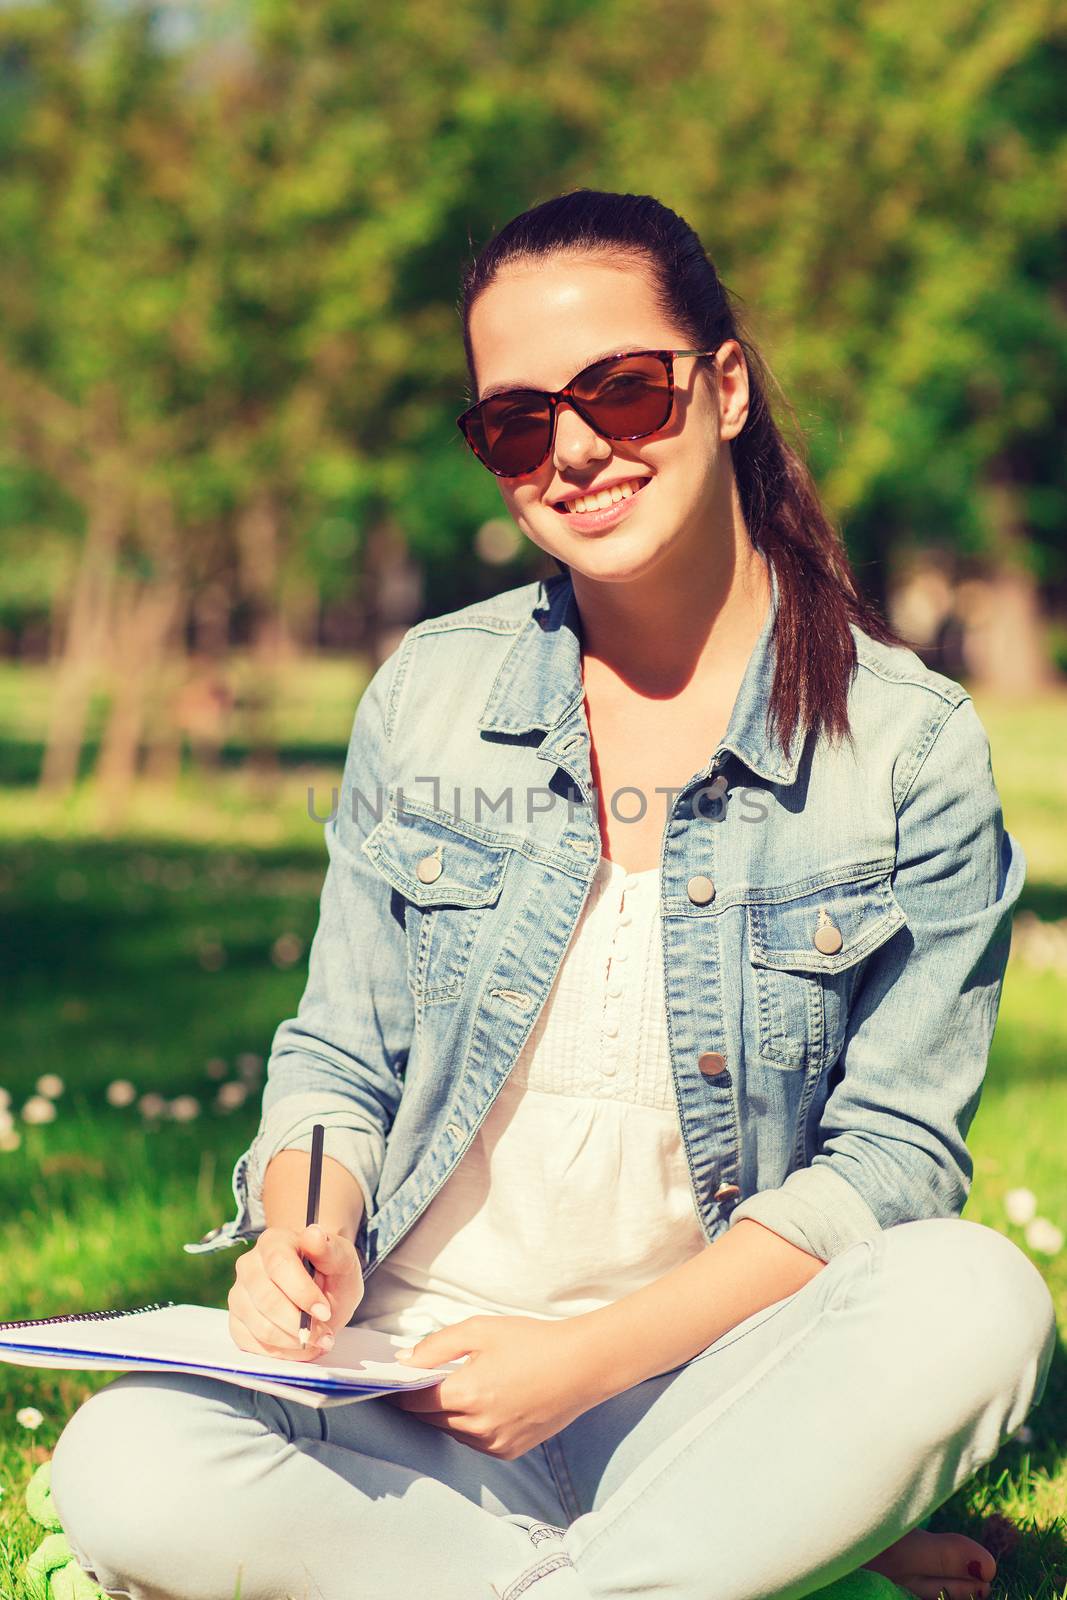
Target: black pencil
(314,1185)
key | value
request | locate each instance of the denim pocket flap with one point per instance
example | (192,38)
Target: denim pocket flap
(408,847)
(863,913)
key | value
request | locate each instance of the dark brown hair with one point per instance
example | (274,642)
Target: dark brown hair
(818,594)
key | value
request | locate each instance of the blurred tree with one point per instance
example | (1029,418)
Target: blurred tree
(229,263)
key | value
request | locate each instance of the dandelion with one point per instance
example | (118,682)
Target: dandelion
(1021,1206)
(286,950)
(38,1109)
(230,1096)
(121,1093)
(29,1417)
(1044,1236)
(185,1108)
(216,1067)
(50,1085)
(152,1105)
(9,1140)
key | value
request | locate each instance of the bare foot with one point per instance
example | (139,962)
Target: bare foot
(931,1563)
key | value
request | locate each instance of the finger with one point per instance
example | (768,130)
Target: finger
(245,1339)
(286,1269)
(331,1252)
(281,1340)
(262,1286)
(421,1400)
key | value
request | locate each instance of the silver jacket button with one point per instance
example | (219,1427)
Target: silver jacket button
(725,1190)
(700,890)
(429,869)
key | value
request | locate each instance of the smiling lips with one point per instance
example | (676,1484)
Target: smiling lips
(603,499)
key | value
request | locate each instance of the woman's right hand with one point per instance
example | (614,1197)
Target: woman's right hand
(272,1287)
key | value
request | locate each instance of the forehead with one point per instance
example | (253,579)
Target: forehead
(537,324)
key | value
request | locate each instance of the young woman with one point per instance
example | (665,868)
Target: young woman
(659,955)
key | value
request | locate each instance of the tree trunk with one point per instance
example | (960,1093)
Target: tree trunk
(146,617)
(85,638)
(1005,641)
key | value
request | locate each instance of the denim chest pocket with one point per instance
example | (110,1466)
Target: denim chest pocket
(449,880)
(803,992)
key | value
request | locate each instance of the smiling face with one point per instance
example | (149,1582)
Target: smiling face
(536,326)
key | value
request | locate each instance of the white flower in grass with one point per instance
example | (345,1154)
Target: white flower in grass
(121,1093)
(9,1140)
(7,1121)
(50,1085)
(186,1108)
(5,1099)
(249,1065)
(216,1067)
(29,1417)
(151,1105)
(1044,1236)
(230,1096)
(286,950)
(1021,1206)
(1023,1435)
(38,1109)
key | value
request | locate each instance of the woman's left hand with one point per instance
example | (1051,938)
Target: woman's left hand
(524,1380)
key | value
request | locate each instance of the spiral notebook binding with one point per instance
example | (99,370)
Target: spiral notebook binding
(89,1316)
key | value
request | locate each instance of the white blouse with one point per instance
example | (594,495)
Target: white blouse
(575,1190)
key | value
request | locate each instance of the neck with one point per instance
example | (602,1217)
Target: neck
(681,622)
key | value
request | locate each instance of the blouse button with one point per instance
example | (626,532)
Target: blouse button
(700,890)
(711,1063)
(611,1027)
(429,869)
(616,989)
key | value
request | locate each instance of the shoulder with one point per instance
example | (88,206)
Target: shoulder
(450,658)
(899,706)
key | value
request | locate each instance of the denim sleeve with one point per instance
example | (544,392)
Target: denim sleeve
(341,1059)
(892,1133)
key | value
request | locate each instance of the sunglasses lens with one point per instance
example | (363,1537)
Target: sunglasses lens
(511,433)
(626,399)
(623,399)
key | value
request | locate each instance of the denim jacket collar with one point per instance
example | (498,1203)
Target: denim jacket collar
(540,683)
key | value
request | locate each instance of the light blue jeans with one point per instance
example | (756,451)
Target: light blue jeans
(785,1455)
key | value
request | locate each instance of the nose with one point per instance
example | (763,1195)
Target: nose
(575,442)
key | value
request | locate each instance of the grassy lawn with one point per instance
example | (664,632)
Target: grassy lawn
(167,956)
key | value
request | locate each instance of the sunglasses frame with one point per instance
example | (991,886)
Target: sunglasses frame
(464,422)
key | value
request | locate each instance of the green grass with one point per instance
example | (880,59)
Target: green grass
(148,955)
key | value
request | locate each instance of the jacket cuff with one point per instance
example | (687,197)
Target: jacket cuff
(357,1143)
(815,1209)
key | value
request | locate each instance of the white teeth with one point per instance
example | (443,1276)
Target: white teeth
(606,497)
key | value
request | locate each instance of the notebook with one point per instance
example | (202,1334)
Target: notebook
(165,1337)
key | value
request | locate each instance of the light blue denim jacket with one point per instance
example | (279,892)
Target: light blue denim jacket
(824,1089)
